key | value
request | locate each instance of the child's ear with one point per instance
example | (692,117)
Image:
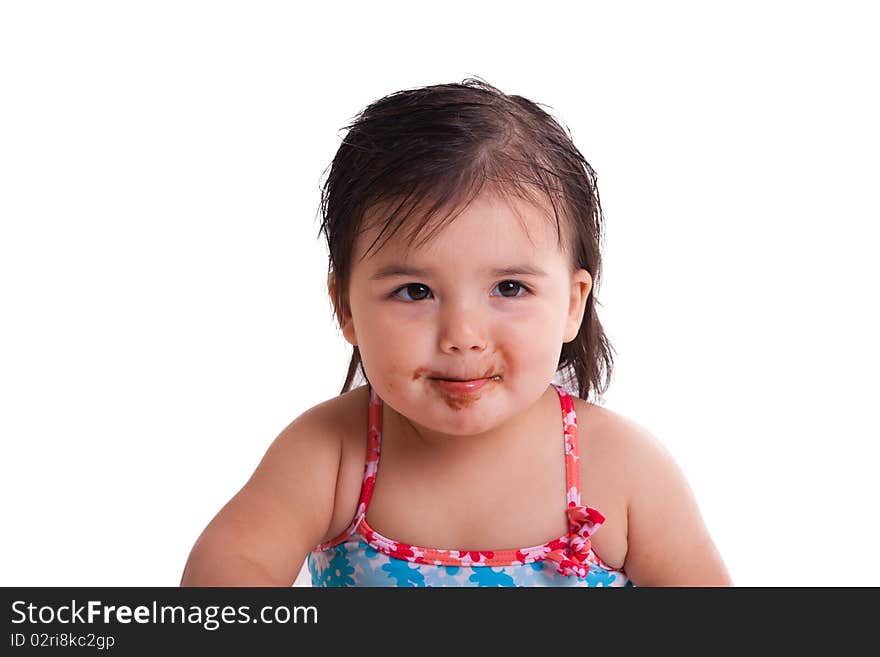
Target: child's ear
(581,284)
(343,315)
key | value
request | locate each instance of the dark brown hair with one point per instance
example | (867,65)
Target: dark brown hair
(419,151)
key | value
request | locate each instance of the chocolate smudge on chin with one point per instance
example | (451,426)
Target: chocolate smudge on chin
(457,403)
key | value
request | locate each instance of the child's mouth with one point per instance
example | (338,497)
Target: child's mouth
(465,387)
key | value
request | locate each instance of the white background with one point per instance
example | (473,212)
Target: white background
(164,315)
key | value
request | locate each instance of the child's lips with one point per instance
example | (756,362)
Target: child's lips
(465,387)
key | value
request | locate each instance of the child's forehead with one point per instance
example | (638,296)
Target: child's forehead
(499,222)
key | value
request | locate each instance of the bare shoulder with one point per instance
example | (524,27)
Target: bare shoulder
(349,414)
(321,439)
(667,540)
(616,441)
(606,425)
(611,447)
(265,531)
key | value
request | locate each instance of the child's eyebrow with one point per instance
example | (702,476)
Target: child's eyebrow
(390,271)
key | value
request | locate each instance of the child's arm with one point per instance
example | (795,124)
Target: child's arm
(668,543)
(263,534)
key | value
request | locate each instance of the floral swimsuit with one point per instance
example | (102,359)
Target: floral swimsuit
(360,556)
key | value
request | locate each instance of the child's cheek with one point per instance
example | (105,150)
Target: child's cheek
(530,341)
(402,319)
(521,326)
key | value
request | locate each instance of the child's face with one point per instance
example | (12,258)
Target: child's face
(462,316)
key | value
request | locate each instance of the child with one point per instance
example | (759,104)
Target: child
(464,230)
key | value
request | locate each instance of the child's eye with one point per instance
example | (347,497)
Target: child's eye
(415,291)
(511,289)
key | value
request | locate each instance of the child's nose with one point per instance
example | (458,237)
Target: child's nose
(462,330)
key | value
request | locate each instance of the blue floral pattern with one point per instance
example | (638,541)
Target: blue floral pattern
(355,563)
